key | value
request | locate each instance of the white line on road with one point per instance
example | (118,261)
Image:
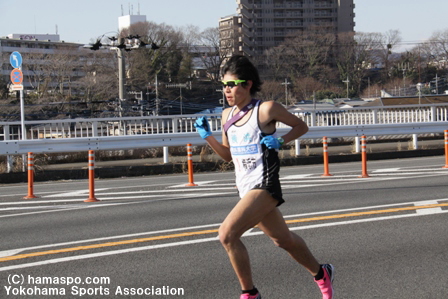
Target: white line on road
(430,210)
(189,242)
(249,233)
(165,231)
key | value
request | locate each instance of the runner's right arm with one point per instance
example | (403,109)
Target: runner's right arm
(223,150)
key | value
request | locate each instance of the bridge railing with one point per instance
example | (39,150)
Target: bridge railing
(160,125)
(62,145)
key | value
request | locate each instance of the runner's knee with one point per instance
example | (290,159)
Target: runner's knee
(285,243)
(227,237)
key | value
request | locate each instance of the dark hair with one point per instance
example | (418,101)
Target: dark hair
(243,68)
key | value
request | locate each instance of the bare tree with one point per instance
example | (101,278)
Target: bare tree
(308,51)
(389,40)
(100,80)
(355,57)
(163,59)
(304,88)
(278,63)
(190,38)
(55,74)
(62,66)
(38,73)
(272,91)
(213,58)
(437,52)
(438,45)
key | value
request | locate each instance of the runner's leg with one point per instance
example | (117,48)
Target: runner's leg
(247,213)
(273,225)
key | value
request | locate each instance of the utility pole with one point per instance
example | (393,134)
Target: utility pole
(437,84)
(121,78)
(368,83)
(404,68)
(347,81)
(157,95)
(121,71)
(286,83)
(180,86)
(180,96)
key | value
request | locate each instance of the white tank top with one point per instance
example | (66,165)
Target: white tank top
(248,155)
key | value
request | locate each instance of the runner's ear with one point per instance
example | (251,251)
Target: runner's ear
(248,84)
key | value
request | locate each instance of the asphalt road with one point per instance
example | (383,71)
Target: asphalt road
(385,235)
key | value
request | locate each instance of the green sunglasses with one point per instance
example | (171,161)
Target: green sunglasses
(232,83)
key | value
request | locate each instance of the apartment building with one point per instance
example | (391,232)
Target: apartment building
(38,51)
(262,24)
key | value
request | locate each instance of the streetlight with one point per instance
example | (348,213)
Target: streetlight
(419,88)
(119,45)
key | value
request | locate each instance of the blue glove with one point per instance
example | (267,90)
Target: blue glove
(202,127)
(271,142)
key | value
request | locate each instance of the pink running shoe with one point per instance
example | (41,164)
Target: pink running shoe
(326,284)
(247,296)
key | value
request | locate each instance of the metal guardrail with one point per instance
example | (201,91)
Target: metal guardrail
(154,125)
(62,145)
(71,135)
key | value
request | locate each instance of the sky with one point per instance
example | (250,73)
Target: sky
(82,21)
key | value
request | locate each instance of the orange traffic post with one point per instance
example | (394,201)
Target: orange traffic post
(92,197)
(190,166)
(30,177)
(446,149)
(364,157)
(326,167)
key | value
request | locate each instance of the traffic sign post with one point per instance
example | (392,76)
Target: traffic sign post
(17,78)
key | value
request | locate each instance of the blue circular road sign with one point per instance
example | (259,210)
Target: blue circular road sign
(15,59)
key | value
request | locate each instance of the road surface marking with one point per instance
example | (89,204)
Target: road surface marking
(210,231)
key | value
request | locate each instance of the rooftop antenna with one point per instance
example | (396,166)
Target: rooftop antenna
(122,13)
(129,8)
(56,28)
(138,9)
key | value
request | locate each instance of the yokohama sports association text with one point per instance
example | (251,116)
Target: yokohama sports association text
(94,291)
